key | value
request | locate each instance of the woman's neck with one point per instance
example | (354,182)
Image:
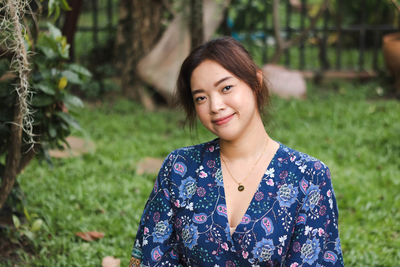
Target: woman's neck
(248,145)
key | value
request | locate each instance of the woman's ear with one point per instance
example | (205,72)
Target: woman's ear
(260,77)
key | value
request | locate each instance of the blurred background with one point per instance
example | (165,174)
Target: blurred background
(87,114)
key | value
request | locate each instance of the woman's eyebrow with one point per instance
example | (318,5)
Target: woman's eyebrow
(222,80)
(197,91)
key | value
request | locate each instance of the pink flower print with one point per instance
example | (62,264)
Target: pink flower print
(245,254)
(322,210)
(156,216)
(296,246)
(201,192)
(211,164)
(203,174)
(328,174)
(259,196)
(329,193)
(178,223)
(317,165)
(211,148)
(280,251)
(321,231)
(270,182)
(225,246)
(145,231)
(292,158)
(283,174)
(294,264)
(176,203)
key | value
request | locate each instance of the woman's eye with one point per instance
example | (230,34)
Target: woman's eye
(200,99)
(226,88)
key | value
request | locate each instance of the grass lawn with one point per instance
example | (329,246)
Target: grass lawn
(348,126)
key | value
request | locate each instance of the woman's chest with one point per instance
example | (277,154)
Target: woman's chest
(203,235)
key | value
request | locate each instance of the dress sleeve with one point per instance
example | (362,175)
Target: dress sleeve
(154,244)
(315,240)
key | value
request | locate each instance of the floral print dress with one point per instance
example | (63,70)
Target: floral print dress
(292,219)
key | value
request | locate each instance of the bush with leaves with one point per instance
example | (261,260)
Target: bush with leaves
(51,106)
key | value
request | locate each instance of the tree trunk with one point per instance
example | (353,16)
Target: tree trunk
(20,61)
(139,28)
(71,20)
(13,156)
(196,23)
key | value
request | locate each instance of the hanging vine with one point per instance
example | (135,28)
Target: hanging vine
(36,106)
(12,36)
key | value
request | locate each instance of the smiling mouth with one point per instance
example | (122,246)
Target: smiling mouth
(223,120)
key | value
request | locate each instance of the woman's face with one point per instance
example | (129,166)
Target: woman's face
(225,105)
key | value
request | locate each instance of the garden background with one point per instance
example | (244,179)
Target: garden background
(352,124)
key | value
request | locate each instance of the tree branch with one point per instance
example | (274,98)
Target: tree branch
(397,6)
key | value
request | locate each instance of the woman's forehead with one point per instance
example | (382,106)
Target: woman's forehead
(209,73)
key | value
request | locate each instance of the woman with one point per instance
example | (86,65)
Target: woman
(242,199)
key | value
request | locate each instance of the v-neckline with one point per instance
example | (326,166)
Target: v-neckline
(252,199)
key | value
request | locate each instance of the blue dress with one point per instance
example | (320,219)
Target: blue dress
(292,219)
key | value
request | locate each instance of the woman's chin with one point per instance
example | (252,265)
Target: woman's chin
(226,135)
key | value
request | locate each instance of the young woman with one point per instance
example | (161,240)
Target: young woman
(242,199)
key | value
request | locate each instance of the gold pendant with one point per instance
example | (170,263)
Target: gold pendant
(240,188)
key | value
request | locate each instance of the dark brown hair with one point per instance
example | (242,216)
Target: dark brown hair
(231,55)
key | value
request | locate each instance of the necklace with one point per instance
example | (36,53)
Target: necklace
(240,185)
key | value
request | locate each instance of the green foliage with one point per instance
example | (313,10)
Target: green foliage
(27,229)
(376,12)
(99,60)
(349,126)
(52,107)
(55,6)
(52,104)
(255,14)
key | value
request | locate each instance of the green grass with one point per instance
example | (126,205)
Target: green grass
(353,130)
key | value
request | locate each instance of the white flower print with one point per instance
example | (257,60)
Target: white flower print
(270,172)
(282,239)
(302,168)
(308,230)
(190,206)
(169,214)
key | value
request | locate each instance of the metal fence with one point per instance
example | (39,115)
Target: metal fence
(332,45)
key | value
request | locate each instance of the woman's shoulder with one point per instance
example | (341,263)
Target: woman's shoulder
(195,152)
(302,163)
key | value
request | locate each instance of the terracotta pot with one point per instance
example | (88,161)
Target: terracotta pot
(391,53)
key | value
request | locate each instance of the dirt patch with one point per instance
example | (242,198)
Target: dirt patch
(77,146)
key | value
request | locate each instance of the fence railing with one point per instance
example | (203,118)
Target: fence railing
(331,45)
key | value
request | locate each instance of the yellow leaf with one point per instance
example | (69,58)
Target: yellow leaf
(62,83)
(37,224)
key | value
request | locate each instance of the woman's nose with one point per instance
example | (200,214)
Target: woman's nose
(216,104)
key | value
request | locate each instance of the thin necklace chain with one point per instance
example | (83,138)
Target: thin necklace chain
(240,185)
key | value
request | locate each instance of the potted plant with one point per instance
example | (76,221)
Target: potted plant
(391,53)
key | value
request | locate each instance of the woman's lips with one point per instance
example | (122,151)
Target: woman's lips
(223,120)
